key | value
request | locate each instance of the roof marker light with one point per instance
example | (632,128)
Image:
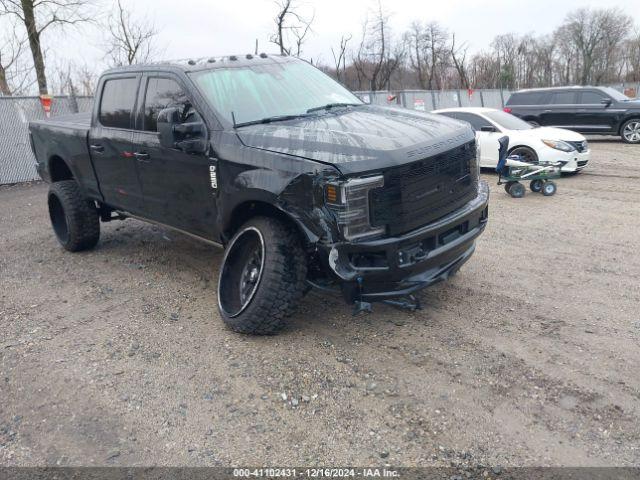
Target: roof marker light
(191,62)
(263,55)
(249,56)
(233,57)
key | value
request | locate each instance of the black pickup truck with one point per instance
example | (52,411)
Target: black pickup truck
(301,183)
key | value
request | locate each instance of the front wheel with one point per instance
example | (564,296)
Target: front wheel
(526,154)
(262,278)
(549,188)
(631,131)
(517,190)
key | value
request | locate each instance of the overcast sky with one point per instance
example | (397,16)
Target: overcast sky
(198,28)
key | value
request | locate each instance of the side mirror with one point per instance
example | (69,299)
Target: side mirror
(488,128)
(606,102)
(174,133)
(168,118)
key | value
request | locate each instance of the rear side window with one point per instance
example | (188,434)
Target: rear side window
(592,98)
(116,104)
(563,98)
(476,122)
(161,93)
(528,98)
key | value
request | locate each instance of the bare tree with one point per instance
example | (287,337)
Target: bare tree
(377,58)
(596,35)
(340,58)
(459,57)
(11,47)
(130,40)
(40,15)
(291,23)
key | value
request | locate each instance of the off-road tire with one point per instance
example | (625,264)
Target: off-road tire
(281,283)
(74,218)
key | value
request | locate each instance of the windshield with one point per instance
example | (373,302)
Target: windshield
(615,94)
(272,90)
(507,121)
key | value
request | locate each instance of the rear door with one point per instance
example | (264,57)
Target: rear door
(110,140)
(592,114)
(176,186)
(561,110)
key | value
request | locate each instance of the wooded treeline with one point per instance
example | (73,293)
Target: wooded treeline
(599,46)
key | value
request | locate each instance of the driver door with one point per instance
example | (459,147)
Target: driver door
(176,185)
(488,141)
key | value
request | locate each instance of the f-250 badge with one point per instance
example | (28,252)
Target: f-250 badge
(214,177)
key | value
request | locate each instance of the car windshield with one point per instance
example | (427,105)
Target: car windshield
(507,121)
(615,94)
(271,90)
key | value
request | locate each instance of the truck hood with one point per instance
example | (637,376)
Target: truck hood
(360,139)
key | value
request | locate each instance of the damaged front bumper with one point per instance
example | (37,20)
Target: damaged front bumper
(398,266)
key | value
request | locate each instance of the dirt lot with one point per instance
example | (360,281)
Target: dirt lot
(529,356)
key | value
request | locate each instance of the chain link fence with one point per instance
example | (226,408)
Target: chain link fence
(428,100)
(17,163)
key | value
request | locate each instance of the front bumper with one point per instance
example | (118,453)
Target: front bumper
(397,266)
(576,161)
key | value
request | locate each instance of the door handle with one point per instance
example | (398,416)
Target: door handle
(142,156)
(548,111)
(97,148)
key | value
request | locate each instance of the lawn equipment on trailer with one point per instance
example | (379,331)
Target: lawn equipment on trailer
(512,170)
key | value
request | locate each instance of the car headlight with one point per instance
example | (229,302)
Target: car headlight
(350,202)
(559,145)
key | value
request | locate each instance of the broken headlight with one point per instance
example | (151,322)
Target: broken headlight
(350,202)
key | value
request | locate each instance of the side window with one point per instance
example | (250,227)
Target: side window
(450,115)
(563,98)
(117,101)
(476,122)
(161,93)
(592,98)
(528,98)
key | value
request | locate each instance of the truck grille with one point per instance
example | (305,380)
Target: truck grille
(416,194)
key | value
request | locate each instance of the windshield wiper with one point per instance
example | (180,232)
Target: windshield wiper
(276,118)
(329,106)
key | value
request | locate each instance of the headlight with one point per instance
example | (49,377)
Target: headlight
(350,201)
(559,145)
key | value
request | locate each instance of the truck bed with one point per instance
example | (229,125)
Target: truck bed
(75,120)
(65,137)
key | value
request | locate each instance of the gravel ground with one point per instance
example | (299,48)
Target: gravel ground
(528,357)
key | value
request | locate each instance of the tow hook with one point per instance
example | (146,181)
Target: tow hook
(360,305)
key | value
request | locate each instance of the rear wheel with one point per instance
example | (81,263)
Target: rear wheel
(262,278)
(630,131)
(74,219)
(536,185)
(525,153)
